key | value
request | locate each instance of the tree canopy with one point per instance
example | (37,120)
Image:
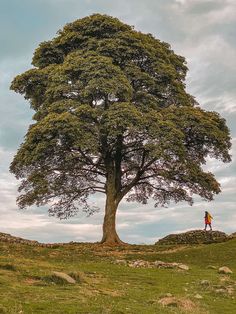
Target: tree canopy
(112,115)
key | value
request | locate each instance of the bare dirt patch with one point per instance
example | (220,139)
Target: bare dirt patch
(32,281)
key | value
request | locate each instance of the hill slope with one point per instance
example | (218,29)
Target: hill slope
(106,284)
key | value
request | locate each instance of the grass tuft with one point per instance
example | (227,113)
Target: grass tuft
(10,267)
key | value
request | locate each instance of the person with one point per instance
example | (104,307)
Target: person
(208,219)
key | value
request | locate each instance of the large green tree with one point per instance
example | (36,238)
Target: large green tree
(112,116)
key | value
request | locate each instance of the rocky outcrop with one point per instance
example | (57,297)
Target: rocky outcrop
(195,237)
(149,264)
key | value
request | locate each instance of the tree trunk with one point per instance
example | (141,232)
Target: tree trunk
(110,235)
(113,184)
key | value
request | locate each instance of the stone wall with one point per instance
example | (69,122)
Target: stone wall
(5,237)
(195,237)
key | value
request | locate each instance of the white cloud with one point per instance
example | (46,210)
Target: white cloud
(222,15)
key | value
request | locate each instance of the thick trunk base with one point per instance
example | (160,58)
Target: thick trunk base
(110,236)
(112,240)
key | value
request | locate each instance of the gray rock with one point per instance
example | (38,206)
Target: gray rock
(121,262)
(225,270)
(168,301)
(211,267)
(198,296)
(220,291)
(140,264)
(64,276)
(205,283)
(157,264)
(230,290)
(183,267)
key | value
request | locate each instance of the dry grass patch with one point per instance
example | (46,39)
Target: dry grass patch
(184,304)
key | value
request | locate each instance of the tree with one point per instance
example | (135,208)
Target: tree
(112,116)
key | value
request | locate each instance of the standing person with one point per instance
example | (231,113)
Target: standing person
(208,219)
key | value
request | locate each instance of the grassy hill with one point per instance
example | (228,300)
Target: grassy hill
(27,283)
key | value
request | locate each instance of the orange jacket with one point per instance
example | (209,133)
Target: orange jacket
(208,219)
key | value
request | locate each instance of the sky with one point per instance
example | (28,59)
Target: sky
(203,32)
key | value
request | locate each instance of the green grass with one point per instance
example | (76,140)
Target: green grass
(27,284)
